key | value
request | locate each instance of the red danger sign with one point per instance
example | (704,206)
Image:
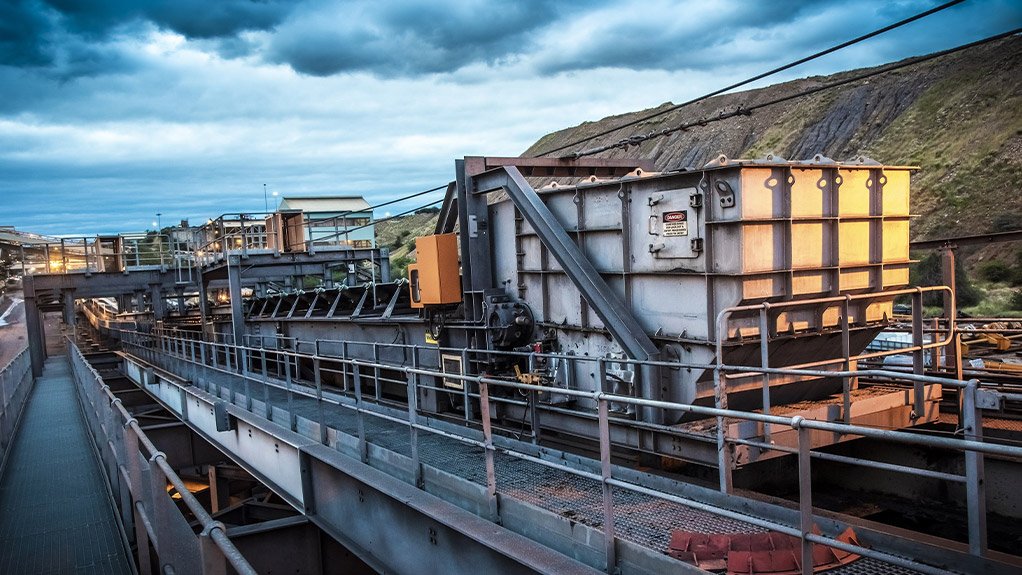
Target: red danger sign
(676,216)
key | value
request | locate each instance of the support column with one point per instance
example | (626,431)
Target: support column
(34,326)
(181,300)
(69,308)
(237,311)
(351,276)
(203,303)
(384,265)
(159,306)
(219,490)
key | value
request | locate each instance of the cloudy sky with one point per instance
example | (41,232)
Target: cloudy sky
(114,110)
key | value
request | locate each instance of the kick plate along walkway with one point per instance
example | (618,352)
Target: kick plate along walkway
(55,513)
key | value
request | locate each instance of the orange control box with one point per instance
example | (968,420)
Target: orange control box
(435,277)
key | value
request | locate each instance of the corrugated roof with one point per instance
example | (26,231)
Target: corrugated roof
(324,203)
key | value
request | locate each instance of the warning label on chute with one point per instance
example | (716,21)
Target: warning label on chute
(676,223)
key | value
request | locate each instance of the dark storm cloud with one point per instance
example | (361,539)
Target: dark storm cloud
(671,37)
(191,18)
(69,38)
(24,34)
(411,38)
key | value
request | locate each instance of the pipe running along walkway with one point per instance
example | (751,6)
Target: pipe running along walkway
(56,514)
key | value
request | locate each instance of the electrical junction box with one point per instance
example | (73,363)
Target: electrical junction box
(435,278)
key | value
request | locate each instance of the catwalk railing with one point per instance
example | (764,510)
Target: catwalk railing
(139,475)
(15,382)
(363,379)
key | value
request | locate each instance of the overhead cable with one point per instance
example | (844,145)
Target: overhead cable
(787,66)
(384,204)
(748,110)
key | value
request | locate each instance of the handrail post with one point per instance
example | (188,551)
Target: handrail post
(805,493)
(465,390)
(975,493)
(609,537)
(213,560)
(135,486)
(846,353)
(412,389)
(764,360)
(532,400)
(720,402)
(317,375)
(363,442)
(344,366)
(377,387)
(918,365)
(267,408)
(491,471)
(292,419)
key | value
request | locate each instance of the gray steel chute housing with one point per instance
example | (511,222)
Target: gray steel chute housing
(651,260)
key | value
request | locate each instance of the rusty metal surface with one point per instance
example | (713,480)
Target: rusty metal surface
(757,553)
(709,426)
(989,422)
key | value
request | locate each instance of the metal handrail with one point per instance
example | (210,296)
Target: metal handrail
(16,370)
(211,528)
(17,357)
(972,446)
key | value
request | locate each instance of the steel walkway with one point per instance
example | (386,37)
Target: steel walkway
(641,519)
(56,515)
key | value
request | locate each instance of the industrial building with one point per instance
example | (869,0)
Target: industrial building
(334,220)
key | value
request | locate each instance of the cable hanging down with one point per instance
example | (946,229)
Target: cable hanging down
(748,110)
(745,82)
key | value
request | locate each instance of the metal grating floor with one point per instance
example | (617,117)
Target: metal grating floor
(56,516)
(641,519)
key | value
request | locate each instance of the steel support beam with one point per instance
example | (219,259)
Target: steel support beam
(159,305)
(34,327)
(474,237)
(297,263)
(566,167)
(237,312)
(448,211)
(978,240)
(616,317)
(107,284)
(69,308)
(601,298)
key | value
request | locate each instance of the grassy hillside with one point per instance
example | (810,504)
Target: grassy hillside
(399,236)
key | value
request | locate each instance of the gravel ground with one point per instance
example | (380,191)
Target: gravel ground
(12,335)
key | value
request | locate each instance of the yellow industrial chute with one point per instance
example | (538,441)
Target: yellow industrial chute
(435,279)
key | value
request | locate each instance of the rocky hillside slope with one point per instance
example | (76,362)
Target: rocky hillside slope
(958,117)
